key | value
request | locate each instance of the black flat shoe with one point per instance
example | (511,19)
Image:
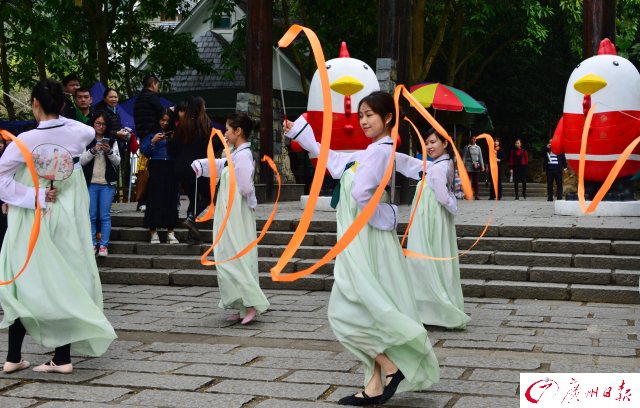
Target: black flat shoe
(361,401)
(390,389)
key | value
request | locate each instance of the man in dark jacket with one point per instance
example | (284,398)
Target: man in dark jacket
(70,83)
(147,110)
(554,165)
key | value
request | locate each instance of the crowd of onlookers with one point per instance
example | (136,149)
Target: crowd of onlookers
(169,138)
(518,164)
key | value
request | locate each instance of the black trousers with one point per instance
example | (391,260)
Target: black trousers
(554,173)
(492,195)
(204,193)
(475,175)
(520,176)
(16,336)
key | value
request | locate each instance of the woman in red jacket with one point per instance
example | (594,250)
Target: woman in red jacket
(519,162)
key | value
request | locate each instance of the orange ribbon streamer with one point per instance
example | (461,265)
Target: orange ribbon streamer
(265,228)
(323,157)
(604,189)
(422,181)
(213,178)
(35,229)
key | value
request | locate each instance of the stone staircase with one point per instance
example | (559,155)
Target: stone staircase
(537,262)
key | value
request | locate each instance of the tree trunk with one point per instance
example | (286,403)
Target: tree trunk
(455,47)
(297,61)
(38,43)
(417,41)
(128,49)
(4,74)
(437,42)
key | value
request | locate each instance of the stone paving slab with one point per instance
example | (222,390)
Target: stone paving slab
(68,392)
(146,380)
(180,399)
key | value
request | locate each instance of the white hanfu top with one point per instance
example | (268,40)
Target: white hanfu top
(244,167)
(371,165)
(72,135)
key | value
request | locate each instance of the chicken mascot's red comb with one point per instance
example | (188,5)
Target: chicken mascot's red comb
(607,47)
(344,53)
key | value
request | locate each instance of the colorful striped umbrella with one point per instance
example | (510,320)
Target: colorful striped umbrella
(444,97)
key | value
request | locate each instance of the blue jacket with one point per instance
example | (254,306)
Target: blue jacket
(159,151)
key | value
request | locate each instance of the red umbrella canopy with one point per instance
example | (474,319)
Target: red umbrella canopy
(444,97)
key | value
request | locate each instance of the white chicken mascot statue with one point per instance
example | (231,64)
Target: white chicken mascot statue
(613,84)
(350,80)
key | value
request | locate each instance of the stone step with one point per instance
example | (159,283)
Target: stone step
(470,287)
(131,229)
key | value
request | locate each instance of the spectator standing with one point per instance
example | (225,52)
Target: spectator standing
(83,101)
(519,163)
(100,165)
(474,163)
(70,84)
(161,211)
(147,112)
(189,144)
(554,166)
(108,105)
(500,158)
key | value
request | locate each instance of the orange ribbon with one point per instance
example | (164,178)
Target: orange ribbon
(265,228)
(323,157)
(35,228)
(213,178)
(624,156)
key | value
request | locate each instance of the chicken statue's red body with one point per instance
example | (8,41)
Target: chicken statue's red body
(612,83)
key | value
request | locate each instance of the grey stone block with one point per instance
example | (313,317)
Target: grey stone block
(535,231)
(266,263)
(607,261)
(178,262)
(122,247)
(527,290)
(167,249)
(325,377)
(180,399)
(492,362)
(233,372)
(624,277)
(129,365)
(326,269)
(497,244)
(570,275)
(488,345)
(503,376)
(195,277)
(476,387)
(605,294)
(467,230)
(593,351)
(125,261)
(8,402)
(325,364)
(572,246)
(73,392)
(136,276)
(309,282)
(626,247)
(498,272)
(476,257)
(485,402)
(161,381)
(270,389)
(532,259)
(473,287)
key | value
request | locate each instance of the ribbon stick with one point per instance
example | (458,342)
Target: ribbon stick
(35,228)
(611,178)
(265,228)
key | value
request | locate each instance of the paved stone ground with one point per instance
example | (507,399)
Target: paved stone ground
(175,349)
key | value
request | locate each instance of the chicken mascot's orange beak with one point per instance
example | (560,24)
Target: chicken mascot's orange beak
(346,85)
(589,84)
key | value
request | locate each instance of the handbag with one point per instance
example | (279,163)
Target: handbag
(142,177)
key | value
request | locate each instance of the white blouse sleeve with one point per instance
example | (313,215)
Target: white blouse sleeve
(204,166)
(114,156)
(368,176)
(409,166)
(302,133)
(12,192)
(437,181)
(244,167)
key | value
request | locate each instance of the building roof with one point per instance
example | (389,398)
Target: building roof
(210,47)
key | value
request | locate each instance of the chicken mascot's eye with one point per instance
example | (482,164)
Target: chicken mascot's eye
(328,66)
(365,66)
(616,63)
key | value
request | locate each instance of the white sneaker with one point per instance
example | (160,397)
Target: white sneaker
(171,238)
(103,251)
(155,239)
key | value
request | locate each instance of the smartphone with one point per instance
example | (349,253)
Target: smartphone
(105,140)
(168,134)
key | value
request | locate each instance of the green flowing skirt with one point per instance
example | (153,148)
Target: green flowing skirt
(58,298)
(436,284)
(372,309)
(238,279)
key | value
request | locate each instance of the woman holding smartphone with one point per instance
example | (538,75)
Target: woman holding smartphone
(100,165)
(162,209)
